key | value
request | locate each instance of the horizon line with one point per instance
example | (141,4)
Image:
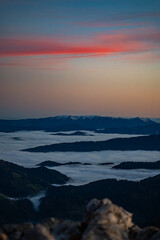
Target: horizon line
(80,115)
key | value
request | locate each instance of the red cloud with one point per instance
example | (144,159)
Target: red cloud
(118,42)
(22,47)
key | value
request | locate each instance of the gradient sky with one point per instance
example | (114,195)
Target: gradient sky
(79,57)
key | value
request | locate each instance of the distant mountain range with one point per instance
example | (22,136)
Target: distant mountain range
(153,128)
(94,123)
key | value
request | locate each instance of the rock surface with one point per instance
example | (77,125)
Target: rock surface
(104,221)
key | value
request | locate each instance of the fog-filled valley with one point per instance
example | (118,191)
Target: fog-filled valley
(11,145)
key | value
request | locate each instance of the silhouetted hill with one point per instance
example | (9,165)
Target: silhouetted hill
(77,133)
(105,163)
(132,143)
(17,181)
(16,211)
(141,198)
(138,165)
(55,164)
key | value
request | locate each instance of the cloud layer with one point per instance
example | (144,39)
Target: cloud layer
(126,41)
(79,174)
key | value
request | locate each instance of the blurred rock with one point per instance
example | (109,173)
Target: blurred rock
(147,233)
(38,233)
(104,221)
(3,236)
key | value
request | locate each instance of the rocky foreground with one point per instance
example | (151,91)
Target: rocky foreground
(103,220)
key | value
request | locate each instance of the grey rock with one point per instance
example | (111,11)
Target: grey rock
(106,221)
(9,228)
(15,235)
(51,223)
(134,231)
(16,231)
(147,233)
(3,236)
(156,236)
(39,232)
(67,230)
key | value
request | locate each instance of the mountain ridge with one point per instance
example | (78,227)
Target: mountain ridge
(147,143)
(68,123)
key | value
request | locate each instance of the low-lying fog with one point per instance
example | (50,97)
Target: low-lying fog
(12,143)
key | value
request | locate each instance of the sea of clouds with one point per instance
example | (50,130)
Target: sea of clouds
(12,143)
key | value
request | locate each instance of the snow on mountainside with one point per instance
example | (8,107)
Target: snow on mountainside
(77,117)
(157,120)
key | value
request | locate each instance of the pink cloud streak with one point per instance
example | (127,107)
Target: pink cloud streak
(117,42)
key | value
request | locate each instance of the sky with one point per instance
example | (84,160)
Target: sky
(79,57)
